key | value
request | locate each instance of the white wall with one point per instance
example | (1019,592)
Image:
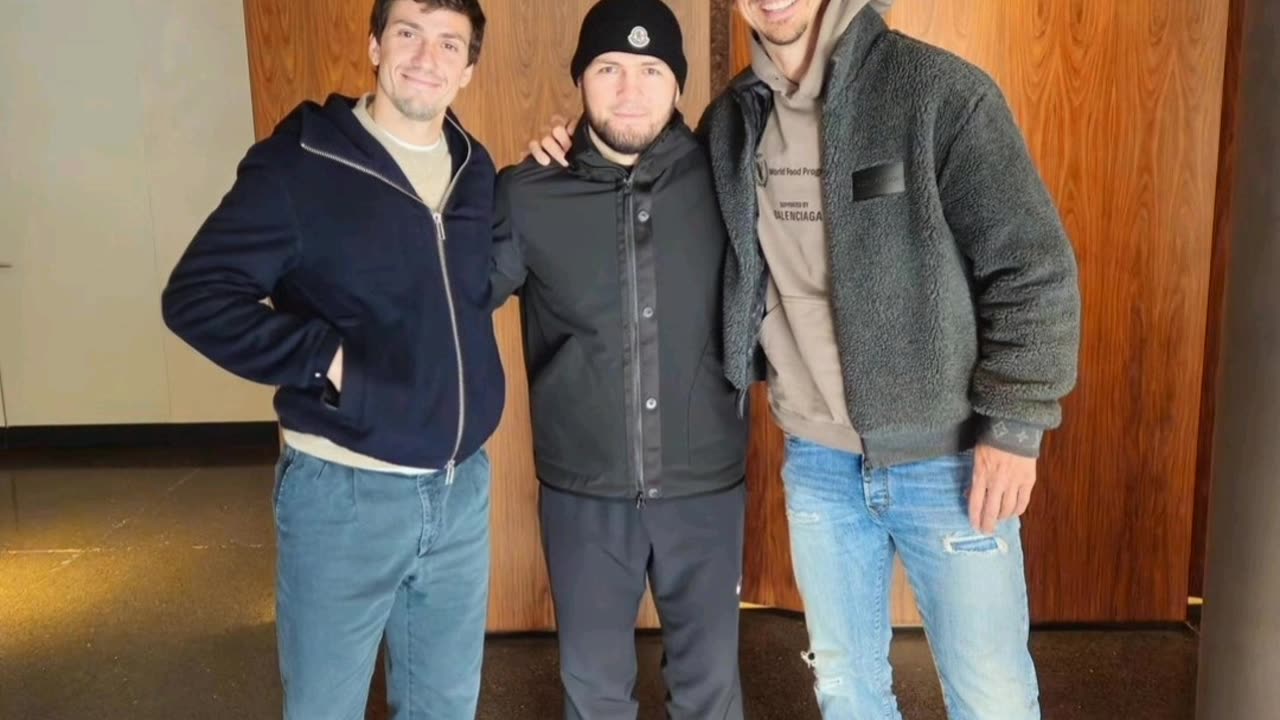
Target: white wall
(120,127)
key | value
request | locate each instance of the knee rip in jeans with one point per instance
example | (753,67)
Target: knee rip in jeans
(827,681)
(803,518)
(963,544)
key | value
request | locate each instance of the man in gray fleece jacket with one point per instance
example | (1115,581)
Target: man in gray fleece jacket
(900,264)
(900,276)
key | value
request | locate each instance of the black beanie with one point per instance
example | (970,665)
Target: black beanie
(639,27)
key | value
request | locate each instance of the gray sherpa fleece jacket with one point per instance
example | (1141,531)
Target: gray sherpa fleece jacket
(954,286)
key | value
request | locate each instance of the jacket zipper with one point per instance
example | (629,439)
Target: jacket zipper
(638,449)
(450,467)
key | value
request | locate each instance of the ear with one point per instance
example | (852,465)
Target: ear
(466,76)
(375,51)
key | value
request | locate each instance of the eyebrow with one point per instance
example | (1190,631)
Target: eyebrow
(415,26)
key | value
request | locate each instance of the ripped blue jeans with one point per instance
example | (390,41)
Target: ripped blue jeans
(847,521)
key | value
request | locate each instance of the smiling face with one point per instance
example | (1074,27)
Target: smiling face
(629,99)
(780,22)
(422,59)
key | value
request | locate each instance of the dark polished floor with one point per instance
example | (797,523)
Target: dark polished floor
(139,586)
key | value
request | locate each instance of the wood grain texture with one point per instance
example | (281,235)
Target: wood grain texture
(1121,104)
(721,19)
(306,49)
(767,577)
(739,44)
(1222,233)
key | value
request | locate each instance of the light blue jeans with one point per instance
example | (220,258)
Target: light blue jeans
(363,555)
(846,523)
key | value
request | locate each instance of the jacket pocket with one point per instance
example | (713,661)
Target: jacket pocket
(569,413)
(350,401)
(717,436)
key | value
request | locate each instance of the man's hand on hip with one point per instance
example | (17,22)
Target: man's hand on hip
(1002,484)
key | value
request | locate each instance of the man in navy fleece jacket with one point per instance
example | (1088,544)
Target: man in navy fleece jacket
(367,222)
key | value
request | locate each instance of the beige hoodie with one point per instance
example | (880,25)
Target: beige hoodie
(806,386)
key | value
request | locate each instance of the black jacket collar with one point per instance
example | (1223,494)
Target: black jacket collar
(673,143)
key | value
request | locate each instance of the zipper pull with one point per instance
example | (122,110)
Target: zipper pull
(439,225)
(640,500)
(449,472)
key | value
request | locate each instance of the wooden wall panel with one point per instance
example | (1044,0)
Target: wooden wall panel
(767,577)
(1121,105)
(300,49)
(277,61)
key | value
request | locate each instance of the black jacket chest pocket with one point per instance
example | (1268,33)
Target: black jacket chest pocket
(879,180)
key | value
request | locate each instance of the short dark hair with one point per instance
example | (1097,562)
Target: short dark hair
(470,8)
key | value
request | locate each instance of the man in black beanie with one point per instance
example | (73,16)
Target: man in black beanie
(638,440)
(917,321)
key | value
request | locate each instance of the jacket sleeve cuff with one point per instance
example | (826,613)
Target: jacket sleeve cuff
(1012,436)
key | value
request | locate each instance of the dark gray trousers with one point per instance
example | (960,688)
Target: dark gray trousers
(600,552)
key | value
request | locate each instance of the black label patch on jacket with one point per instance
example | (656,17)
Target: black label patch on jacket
(878,180)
